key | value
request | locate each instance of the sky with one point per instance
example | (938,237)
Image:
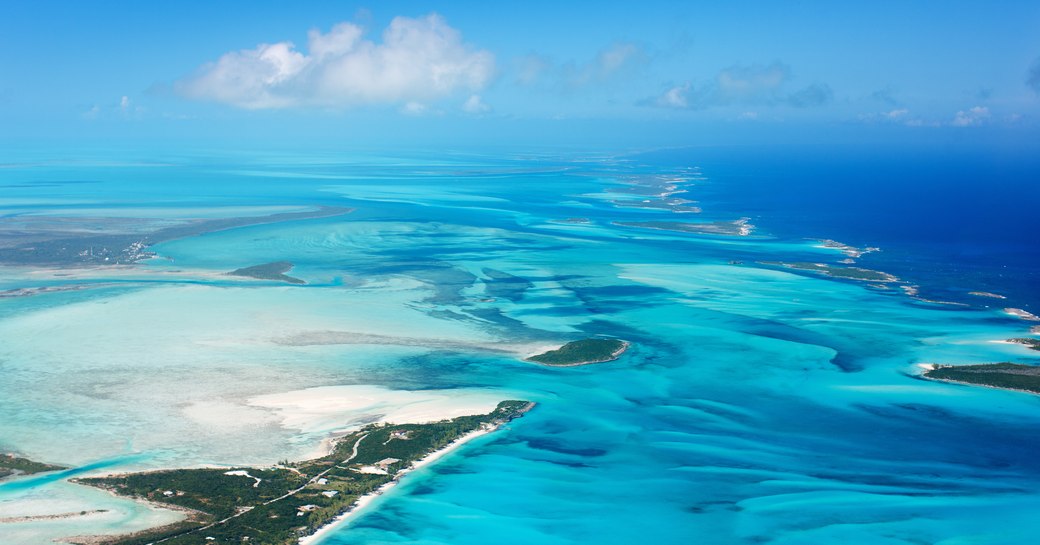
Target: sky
(558,73)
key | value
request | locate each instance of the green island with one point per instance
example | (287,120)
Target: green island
(582,352)
(849,273)
(1009,376)
(269,271)
(1028,343)
(278,505)
(11,465)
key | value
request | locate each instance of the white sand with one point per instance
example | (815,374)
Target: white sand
(367,499)
(337,408)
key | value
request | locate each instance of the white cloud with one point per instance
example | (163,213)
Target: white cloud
(971,117)
(898,113)
(675,97)
(418,60)
(475,105)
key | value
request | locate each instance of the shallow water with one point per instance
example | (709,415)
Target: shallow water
(755,405)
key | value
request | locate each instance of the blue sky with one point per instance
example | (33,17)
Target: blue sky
(422,72)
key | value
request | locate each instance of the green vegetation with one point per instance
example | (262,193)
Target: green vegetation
(119,248)
(278,505)
(13,465)
(269,271)
(849,273)
(1029,343)
(1011,376)
(582,352)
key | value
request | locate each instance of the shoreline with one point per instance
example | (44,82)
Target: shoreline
(926,367)
(342,520)
(613,357)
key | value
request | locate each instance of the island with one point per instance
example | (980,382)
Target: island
(1028,343)
(989,294)
(14,466)
(1007,376)
(851,251)
(269,271)
(848,273)
(281,504)
(735,228)
(1022,314)
(582,352)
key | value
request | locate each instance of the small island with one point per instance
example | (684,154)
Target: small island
(281,504)
(14,466)
(991,295)
(582,352)
(733,228)
(848,273)
(1007,376)
(1022,314)
(269,271)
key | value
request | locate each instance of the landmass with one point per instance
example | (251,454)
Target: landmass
(677,205)
(13,466)
(278,505)
(851,251)
(582,352)
(986,294)
(1006,376)
(1023,314)
(1030,343)
(741,227)
(269,271)
(850,273)
(69,249)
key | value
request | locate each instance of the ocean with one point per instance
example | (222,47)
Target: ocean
(757,404)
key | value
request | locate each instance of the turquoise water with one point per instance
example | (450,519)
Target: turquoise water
(755,406)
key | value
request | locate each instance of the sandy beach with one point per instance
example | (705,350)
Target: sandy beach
(363,501)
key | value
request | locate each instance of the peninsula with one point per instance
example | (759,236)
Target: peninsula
(279,505)
(13,466)
(1007,376)
(582,352)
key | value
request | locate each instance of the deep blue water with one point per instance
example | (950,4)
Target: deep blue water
(952,220)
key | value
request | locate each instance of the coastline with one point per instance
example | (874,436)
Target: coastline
(613,356)
(926,367)
(363,501)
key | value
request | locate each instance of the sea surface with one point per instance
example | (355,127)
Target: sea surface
(757,404)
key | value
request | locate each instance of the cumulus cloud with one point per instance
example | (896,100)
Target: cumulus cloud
(1033,76)
(475,105)
(418,60)
(675,97)
(971,117)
